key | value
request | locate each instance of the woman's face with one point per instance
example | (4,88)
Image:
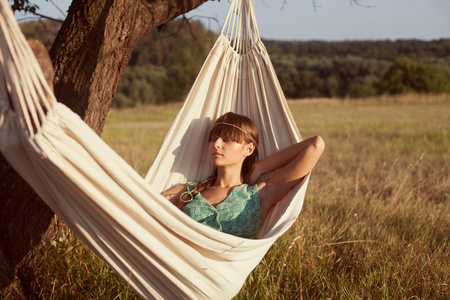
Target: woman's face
(225,151)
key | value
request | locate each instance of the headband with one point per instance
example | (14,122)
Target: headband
(248,134)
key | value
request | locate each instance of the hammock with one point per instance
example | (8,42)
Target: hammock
(152,245)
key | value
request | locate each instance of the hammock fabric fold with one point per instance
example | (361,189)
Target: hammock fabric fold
(152,245)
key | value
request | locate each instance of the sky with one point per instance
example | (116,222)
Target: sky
(331,20)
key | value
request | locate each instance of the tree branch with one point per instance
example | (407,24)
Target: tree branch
(194,35)
(358,3)
(352,2)
(57,7)
(315,5)
(47,17)
(26,7)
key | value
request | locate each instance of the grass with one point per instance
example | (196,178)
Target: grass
(375,222)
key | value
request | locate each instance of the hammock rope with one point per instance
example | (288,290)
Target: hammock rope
(161,252)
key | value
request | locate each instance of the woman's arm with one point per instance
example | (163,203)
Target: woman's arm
(174,194)
(292,163)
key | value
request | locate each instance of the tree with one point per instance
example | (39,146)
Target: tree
(406,76)
(95,42)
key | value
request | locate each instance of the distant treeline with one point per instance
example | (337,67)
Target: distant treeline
(164,65)
(384,49)
(361,68)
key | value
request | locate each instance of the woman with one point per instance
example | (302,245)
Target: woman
(233,200)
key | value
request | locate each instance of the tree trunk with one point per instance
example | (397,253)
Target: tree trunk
(89,54)
(95,43)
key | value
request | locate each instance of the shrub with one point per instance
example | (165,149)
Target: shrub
(405,76)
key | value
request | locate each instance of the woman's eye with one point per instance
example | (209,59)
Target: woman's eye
(224,139)
(228,139)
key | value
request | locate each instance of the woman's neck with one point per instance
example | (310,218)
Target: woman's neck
(228,177)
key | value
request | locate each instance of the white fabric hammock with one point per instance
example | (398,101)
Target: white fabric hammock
(151,244)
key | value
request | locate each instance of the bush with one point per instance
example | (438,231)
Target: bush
(406,76)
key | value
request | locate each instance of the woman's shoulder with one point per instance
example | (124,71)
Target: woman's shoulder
(175,189)
(249,189)
(173,194)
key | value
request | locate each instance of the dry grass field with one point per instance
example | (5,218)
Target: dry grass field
(375,222)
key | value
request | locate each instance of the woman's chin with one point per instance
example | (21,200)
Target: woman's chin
(214,163)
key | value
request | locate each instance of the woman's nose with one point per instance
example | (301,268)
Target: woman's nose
(218,143)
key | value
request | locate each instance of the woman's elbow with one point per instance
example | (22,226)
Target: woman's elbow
(318,143)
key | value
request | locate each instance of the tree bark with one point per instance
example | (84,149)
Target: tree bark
(89,54)
(95,43)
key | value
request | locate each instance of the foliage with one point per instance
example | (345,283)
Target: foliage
(406,76)
(42,30)
(380,50)
(164,65)
(375,222)
(349,69)
(23,6)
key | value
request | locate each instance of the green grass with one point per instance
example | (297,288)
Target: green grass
(375,222)
(136,134)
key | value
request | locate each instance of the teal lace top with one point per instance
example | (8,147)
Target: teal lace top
(239,214)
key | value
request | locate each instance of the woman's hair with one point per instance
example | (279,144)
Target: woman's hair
(239,128)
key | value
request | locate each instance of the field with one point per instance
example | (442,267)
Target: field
(375,222)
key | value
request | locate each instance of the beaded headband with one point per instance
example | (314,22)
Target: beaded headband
(248,134)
